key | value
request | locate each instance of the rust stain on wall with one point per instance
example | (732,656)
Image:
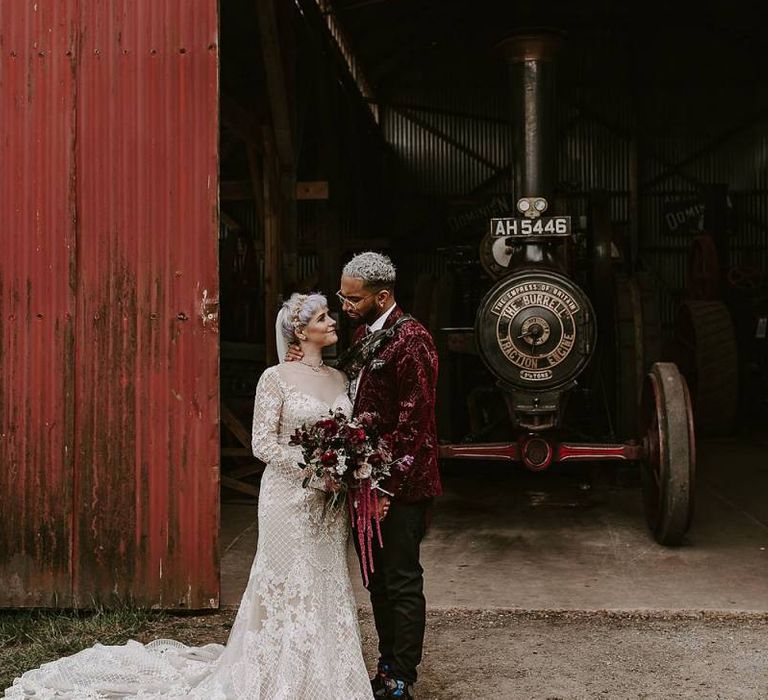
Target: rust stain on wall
(37,130)
(109,377)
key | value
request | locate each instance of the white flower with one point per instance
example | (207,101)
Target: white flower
(363,471)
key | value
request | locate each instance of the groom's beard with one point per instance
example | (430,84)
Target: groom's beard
(366,319)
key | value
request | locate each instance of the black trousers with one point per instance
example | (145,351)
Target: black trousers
(397,588)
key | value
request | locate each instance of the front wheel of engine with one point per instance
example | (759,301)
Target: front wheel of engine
(669,462)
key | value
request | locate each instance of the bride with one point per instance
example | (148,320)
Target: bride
(296,633)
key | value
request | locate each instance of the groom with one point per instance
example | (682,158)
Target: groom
(392,366)
(398,381)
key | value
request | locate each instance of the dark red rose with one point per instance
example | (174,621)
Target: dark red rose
(329,426)
(375,459)
(329,458)
(355,436)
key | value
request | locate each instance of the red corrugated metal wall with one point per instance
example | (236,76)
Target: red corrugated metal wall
(109,324)
(37,137)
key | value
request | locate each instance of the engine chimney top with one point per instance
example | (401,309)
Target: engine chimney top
(531,45)
(530,57)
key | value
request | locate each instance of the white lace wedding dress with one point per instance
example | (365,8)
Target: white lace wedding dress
(296,634)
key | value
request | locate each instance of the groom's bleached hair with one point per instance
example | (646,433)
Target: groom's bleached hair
(298,311)
(375,269)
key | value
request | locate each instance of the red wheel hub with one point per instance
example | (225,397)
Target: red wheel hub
(536,453)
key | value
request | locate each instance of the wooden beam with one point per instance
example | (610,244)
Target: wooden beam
(236,485)
(312,190)
(257,169)
(236,452)
(246,470)
(235,427)
(275,47)
(289,235)
(276,83)
(273,271)
(328,117)
(229,222)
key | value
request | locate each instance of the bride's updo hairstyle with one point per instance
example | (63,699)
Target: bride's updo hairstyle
(298,311)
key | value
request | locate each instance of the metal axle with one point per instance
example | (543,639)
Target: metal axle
(538,453)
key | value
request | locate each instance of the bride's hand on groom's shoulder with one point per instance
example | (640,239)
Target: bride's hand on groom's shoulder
(294,354)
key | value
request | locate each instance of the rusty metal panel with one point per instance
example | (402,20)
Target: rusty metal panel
(37,133)
(109,438)
(147,436)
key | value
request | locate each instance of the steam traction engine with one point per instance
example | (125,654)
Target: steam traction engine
(537,332)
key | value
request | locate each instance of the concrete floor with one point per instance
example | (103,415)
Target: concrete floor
(505,538)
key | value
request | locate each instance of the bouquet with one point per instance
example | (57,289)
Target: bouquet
(349,458)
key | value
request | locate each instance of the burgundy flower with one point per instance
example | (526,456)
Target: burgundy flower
(356,436)
(329,458)
(329,426)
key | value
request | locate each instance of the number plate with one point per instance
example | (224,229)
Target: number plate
(543,226)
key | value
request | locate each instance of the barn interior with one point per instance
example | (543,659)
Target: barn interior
(349,125)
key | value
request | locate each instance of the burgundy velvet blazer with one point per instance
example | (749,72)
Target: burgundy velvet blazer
(401,385)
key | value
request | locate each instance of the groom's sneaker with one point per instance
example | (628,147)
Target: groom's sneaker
(396,688)
(378,682)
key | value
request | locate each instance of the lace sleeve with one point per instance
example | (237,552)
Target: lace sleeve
(346,382)
(266,424)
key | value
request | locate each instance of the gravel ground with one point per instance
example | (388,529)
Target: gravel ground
(575,656)
(543,655)
(567,655)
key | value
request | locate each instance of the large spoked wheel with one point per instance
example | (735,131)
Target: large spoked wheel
(669,462)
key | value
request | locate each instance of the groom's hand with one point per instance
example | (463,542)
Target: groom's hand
(384,503)
(294,354)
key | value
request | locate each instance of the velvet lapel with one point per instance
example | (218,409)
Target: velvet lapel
(397,312)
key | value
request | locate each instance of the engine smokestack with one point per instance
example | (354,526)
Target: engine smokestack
(531,58)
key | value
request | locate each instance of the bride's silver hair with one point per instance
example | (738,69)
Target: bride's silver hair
(297,312)
(375,269)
